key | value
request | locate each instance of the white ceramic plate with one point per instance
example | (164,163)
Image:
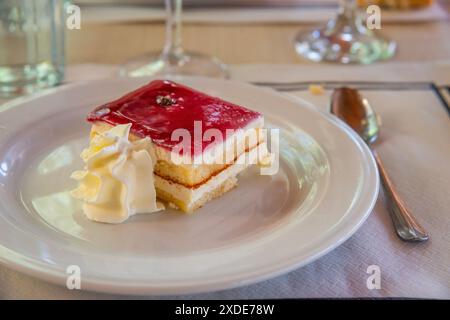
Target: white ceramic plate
(326,187)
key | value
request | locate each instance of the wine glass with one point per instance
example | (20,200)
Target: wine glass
(345,39)
(173,60)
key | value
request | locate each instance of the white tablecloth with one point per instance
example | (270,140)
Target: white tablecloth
(415,145)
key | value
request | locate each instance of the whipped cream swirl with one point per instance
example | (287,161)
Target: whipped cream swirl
(117,181)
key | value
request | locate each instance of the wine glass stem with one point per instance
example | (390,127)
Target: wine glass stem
(172,46)
(347,8)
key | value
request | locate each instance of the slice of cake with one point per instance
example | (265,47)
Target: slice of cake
(200,143)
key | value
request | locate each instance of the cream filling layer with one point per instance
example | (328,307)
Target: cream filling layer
(187,195)
(219,152)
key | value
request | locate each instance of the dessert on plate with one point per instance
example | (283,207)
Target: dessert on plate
(169,142)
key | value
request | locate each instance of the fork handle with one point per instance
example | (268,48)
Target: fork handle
(406,226)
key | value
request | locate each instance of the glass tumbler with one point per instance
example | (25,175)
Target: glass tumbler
(31,45)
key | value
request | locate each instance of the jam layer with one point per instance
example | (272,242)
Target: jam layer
(157,109)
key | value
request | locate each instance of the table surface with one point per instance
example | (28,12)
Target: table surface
(242,43)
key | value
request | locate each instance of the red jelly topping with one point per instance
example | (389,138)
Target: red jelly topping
(158,108)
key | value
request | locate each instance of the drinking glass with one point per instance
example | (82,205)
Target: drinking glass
(31,45)
(344,39)
(173,60)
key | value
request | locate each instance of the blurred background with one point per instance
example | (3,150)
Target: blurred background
(220,3)
(243,31)
(205,37)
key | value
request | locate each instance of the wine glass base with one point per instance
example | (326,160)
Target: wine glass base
(344,47)
(186,63)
